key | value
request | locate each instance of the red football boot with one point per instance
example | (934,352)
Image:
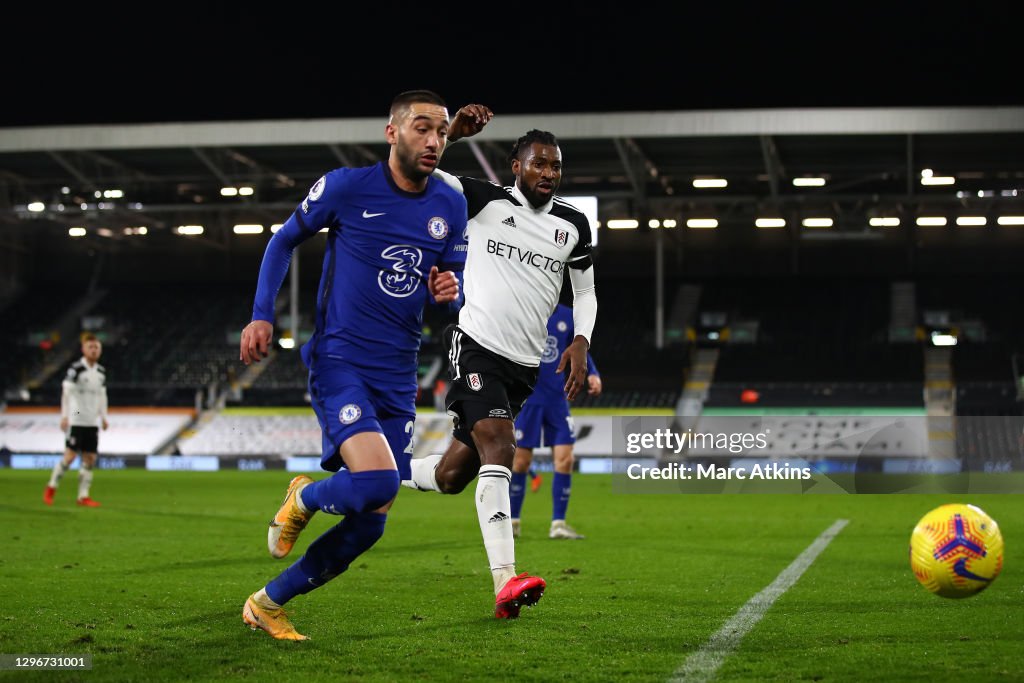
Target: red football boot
(519,591)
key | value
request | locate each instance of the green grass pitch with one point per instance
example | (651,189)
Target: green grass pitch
(152,584)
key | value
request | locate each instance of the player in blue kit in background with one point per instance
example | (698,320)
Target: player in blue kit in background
(393,229)
(545,421)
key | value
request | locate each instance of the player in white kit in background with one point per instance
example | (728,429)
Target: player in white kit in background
(83,409)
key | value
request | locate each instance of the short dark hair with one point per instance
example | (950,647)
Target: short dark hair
(415,96)
(532,136)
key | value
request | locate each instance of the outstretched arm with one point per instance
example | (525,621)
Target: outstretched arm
(469,121)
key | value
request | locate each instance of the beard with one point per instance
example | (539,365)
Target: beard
(408,163)
(533,196)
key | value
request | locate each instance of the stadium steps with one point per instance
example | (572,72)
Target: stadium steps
(939,402)
(66,326)
(902,311)
(684,312)
(695,388)
(253,372)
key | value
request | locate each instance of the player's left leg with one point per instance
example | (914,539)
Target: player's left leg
(495,440)
(561,487)
(363,494)
(448,473)
(528,436)
(85,480)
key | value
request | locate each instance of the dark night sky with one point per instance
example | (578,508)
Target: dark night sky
(222,64)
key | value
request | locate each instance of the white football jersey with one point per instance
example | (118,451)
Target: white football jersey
(84,398)
(515,265)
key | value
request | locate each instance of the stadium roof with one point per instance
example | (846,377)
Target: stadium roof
(639,164)
(644,102)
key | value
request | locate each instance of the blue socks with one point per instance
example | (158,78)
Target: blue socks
(355,495)
(328,556)
(345,492)
(516,491)
(560,488)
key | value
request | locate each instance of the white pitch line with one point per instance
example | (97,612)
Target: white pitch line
(702,664)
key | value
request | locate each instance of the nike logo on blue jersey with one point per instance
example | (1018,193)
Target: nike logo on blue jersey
(367,214)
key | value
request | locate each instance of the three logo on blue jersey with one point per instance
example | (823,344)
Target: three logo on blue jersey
(404,276)
(550,353)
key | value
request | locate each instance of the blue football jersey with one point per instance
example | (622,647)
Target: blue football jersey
(551,386)
(381,244)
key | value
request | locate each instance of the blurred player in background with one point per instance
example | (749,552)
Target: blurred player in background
(545,421)
(522,239)
(83,408)
(392,227)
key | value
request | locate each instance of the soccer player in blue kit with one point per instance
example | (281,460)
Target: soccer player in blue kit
(394,233)
(545,421)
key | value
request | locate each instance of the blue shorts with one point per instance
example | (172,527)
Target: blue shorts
(347,402)
(545,424)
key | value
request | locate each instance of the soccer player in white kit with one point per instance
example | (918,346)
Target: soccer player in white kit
(522,240)
(83,408)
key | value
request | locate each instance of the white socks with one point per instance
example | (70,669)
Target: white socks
(423,469)
(84,482)
(58,471)
(493,509)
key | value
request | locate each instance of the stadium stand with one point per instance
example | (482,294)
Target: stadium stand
(163,344)
(249,435)
(26,325)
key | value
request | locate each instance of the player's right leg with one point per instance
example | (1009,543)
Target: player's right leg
(486,393)
(291,518)
(495,440)
(558,423)
(368,483)
(59,470)
(561,487)
(353,446)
